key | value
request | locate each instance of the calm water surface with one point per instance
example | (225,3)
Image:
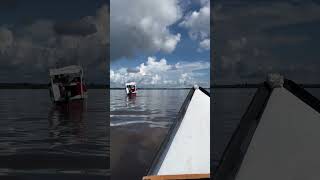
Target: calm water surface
(40,140)
(138,126)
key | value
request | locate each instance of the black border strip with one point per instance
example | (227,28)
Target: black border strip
(241,138)
(162,151)
(302,94)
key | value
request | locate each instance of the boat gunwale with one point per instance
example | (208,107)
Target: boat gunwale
(302,94)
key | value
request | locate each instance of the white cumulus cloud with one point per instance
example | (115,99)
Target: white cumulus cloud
(198,25)
(154,66)
(205,44)
(159,73)
(143,26)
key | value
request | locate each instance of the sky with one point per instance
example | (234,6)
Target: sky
(38,35)
(160,43)
(252,38)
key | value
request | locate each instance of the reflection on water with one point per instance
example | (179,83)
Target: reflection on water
(67,115)
(138,126)
(41,140)
(131,101)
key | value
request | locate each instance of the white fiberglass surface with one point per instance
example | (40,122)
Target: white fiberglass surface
(286,142)
(189,152)
(56,92)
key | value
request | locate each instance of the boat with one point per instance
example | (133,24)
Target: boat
(67,84)
(277,137)
(185,151)
(131,88)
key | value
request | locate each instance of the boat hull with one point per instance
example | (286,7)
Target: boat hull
(132,94)
(73,98)
(190,131)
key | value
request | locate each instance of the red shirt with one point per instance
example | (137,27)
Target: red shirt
(78,88)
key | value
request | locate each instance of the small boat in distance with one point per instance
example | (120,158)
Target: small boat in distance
(131,88)
(67,84)
(185,152)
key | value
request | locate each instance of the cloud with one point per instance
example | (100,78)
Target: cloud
(272,13)
(159,73)
(75,28)
(45,43)
(102,23)
(38,31)
(6,39)
(130,70)
(144,27)
(256,38)
(205,44)
(192,66)
(198,25)
(153,66)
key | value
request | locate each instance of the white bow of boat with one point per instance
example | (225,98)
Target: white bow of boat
(186,150)
(278,136)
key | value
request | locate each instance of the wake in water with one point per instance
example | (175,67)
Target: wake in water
(150,123)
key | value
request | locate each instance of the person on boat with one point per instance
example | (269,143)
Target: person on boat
(59,80)
(132,89)
(78,86)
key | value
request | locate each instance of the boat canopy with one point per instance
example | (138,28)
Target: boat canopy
(73,69)
(185,151)
(131,84)
(277,138)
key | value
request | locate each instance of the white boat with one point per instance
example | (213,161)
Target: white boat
(131,88)
(277,138)
(67,84)
(185,152)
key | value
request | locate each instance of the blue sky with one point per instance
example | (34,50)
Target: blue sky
(179,60)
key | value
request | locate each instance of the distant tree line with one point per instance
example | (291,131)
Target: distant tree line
(42,86)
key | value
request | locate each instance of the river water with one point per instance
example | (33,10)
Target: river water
(40,140)
(138,126)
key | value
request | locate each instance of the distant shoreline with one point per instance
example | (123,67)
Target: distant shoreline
(101,86)
(226,86)
(42,86)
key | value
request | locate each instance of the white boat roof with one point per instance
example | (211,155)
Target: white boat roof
(130,83)
(187,149)
(285,144)
(73,69)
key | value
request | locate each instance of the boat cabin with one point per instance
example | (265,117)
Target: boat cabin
(67,84)
(131,88)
